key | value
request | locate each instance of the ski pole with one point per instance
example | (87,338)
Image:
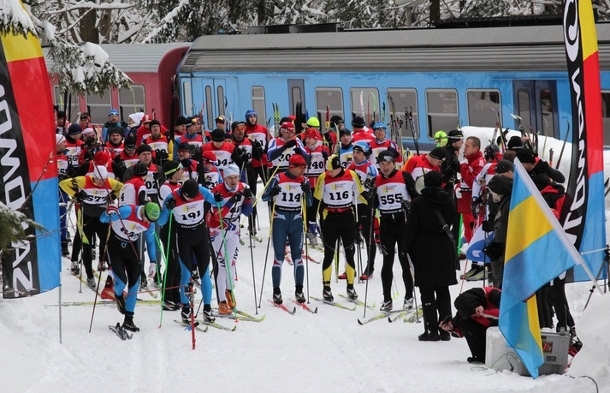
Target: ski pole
(169,246)
(304,207)
(260,299)
(99,278)
(252,253)
(224,245)
(370,239)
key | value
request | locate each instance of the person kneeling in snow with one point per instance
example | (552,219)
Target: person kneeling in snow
(477,309)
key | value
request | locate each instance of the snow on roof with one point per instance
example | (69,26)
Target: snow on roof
(133,57)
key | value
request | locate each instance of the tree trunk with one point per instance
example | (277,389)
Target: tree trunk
(435,10)
(88,29)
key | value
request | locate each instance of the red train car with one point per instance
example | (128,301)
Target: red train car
(151,67)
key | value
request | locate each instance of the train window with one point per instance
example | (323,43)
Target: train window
(328,97)
(404,99)
(187,93)
(606,116)
(220,96)
(442,110)
(71,110)
(295,91)
(98,107)
(131,101)
(365,103)
(258,104)
(208,107)
(546,109)
(524,108)
(483,106)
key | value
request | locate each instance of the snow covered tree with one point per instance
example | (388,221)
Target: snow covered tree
(11,227)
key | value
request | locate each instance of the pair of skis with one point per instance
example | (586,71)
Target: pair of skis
(392,316)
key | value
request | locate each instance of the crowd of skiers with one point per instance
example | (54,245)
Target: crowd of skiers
(139,186)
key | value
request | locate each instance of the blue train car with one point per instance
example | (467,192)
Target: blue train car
(449,77)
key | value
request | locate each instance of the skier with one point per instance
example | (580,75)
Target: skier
(390,193)
(122,252)
(191,137)
(287,190)
(172,171)
(337,190)
(283,147)
(187,207)
(232,198)
(260,136)
(226,152)
(113,122)
(63,172)
(115,141)
(318,156)
(158,143)
(345,147)
(381,143)
(94,193)
(367,173)
(127,158)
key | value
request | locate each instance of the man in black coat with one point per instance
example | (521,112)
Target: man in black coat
(433,253)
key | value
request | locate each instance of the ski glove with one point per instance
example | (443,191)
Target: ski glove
(475,206)
(171,203)
(290,143)
(218,197)
(305,187)
(313,228)
(247,193)
(274,191)
(80,196)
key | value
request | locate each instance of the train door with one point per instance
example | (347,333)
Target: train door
(536,103)
(296,94)
(209,99)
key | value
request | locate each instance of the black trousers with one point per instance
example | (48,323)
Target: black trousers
(194,243)
(335,226)
(391,232)
(93,226)
(474,333)
(124,261)
(557,298)
(365,219)
(436,305)
(172,268)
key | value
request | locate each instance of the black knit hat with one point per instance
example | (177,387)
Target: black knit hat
(334,162)
(438,153)
(433,179)
(170,167)
(526,156)
(140,169)
(218,135)
(514,143)
(501,185)
(190,188)
(504,166)
(386,155)
(143,148)
(181,120)
(455,135)
(358,122)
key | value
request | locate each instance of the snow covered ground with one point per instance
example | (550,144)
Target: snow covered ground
(326,352)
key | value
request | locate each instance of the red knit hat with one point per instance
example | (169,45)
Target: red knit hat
(297,160)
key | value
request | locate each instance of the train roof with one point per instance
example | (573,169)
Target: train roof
(425,49)
(135,57)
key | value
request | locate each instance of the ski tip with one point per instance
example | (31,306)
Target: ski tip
(390,320)
(294,310)
(315,311)
(360,322)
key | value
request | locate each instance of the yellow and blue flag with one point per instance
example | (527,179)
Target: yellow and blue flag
(537,251)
